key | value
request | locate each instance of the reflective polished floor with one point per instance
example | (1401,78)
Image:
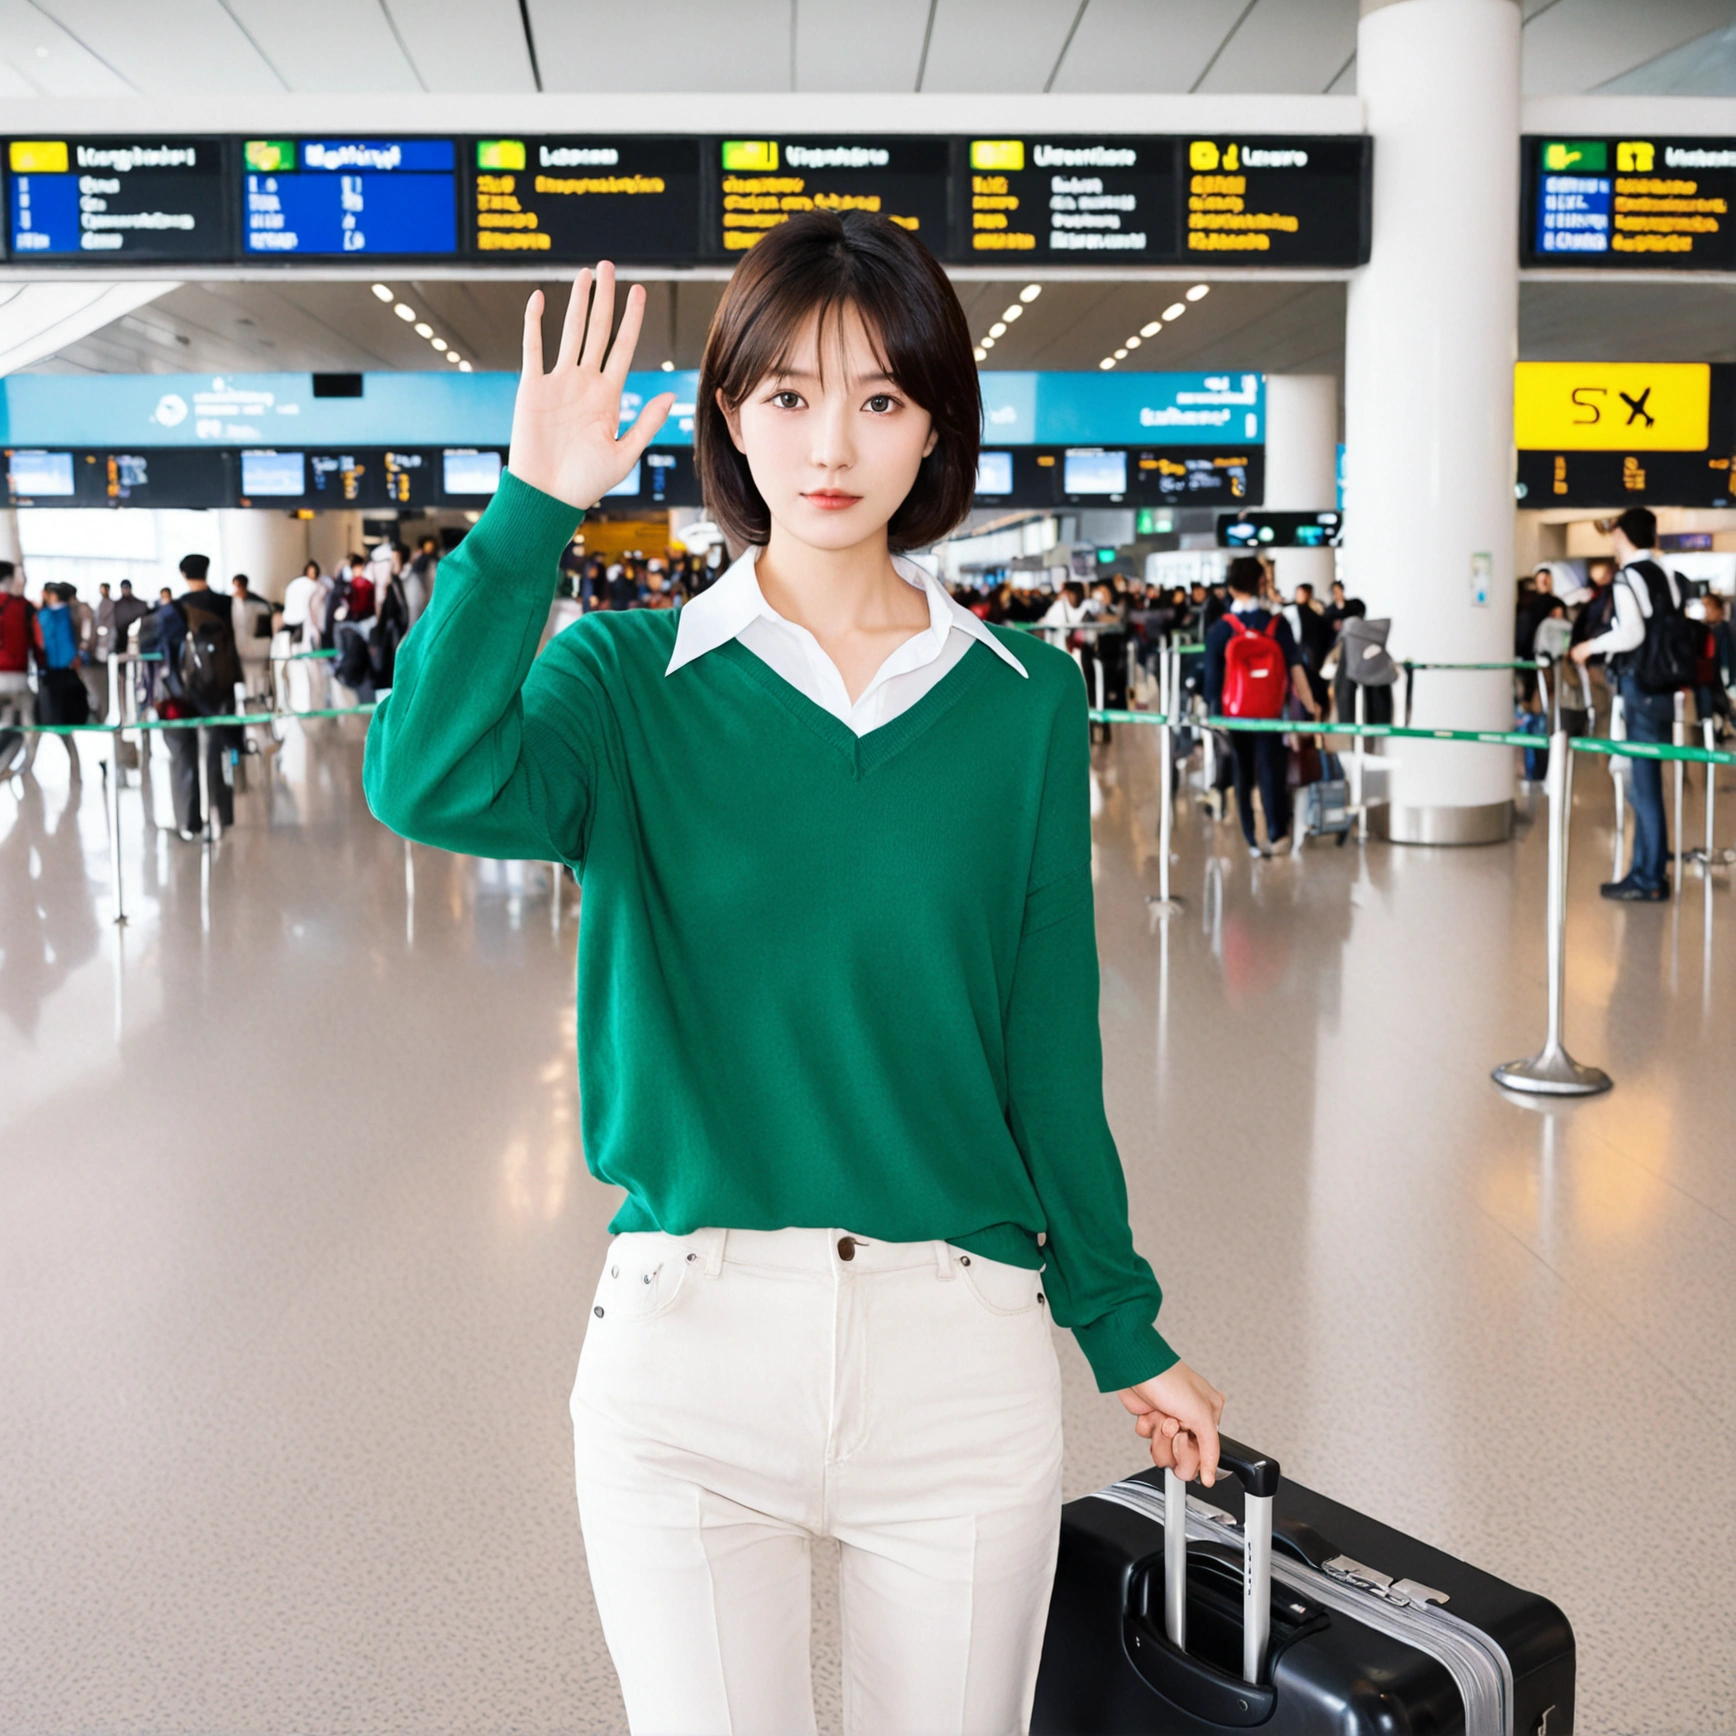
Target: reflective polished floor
(296,1246)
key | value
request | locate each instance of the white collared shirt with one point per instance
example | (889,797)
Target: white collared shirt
(735,608)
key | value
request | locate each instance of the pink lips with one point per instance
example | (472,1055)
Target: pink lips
(827,501)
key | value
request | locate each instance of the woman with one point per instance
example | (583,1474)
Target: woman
(834,837)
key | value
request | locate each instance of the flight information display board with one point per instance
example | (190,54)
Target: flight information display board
(335,197)
(629,198)
(118,200)
(1645,204)
(1269,201)
(1068,200)
(761,183)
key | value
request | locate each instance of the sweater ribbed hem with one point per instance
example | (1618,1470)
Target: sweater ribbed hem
(1124,1348)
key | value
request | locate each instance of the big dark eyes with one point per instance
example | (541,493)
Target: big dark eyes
(787,400)
(881,402)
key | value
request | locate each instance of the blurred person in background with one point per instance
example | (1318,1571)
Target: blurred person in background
(250,622)
(200,671)
(19,655)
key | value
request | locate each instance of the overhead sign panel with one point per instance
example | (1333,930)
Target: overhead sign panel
(1612,406)
(1646,204)
(630,198)
(396,198)
(760,183)
(115,200)
(1068,200)
(1277,201)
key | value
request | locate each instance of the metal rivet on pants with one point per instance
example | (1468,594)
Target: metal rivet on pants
(964,1259)
(846,1247)
(614,1271)
(1039,1295)
(646,1279)
(692,1257)
(598,1312)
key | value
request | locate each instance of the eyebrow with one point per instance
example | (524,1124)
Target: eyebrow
(855,382)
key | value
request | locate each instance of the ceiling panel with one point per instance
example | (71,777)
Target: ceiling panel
(1140,45)
(1704,67)
(1287,45)
(996,44)
(169,47)
(328,45)
(46,59)
(465,45)
(1577,45)
(834,52)
(666,45)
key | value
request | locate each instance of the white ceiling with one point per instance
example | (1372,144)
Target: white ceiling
(102,48)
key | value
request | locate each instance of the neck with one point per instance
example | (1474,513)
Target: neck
(834,592)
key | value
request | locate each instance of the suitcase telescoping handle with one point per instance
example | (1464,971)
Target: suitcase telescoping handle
(1259,1479)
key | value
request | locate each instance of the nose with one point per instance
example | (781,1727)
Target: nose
(833,446)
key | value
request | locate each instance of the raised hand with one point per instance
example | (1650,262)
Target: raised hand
(1177,1412)
(566,422)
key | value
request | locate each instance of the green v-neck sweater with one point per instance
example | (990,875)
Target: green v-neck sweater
(824,980)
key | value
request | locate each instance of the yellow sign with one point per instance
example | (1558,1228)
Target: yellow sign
(1003,154)
(751,155)
(1611,406)
(37,156)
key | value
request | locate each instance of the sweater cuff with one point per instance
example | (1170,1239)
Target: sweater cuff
(521,536)
(1124,1348)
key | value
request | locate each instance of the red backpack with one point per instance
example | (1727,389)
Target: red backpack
(1255,674)
(17,632)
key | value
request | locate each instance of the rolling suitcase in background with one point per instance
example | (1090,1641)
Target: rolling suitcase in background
(1312,1618)
(1323,807)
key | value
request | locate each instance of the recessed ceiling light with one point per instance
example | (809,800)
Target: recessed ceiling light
(382,292)
(1013,312)
(1175,310)
(423,329)
(1120,355)
(669,367)
(404,311)
(1199,292)
(998,329)
(980,353)
(465,368)
(452,355)
(1030,292)
(438,343)
(986,344)
(1107,362)
(1151,330)
(1133,343)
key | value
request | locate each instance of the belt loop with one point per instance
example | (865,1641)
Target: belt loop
(943,1260)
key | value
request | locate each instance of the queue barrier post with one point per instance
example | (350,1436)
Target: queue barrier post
(1709,856)
(1679,738)
(114,817)
(1552,1072)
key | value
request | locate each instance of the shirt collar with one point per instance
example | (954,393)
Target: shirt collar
(729,607)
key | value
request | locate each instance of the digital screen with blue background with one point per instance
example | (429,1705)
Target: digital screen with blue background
(418,439)
(370,197)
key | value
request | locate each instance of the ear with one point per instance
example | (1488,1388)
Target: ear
(732,421)
(932,441)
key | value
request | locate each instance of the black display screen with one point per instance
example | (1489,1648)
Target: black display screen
(1280,530)
(1629,204)
(761,183)
(1271,201)
(118,200)
(629,198)
(1072,201)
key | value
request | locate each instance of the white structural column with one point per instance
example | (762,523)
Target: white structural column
(1302,467)
(1430,343)
(269,547)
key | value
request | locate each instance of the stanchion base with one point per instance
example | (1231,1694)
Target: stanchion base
(1162,906)
(1552,1073)
(1717,859)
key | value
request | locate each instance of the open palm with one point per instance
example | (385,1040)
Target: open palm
(566,437)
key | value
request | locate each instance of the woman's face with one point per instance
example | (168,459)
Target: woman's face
(832,443)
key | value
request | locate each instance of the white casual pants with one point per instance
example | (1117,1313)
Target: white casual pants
(743,1392)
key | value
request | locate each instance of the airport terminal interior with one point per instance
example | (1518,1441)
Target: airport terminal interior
(1382,352)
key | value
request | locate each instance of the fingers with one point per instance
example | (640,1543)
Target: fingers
(644,430)
(627,338)
(602,318)
(573,326)
(533,345)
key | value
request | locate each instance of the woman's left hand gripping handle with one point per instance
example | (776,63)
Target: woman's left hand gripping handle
(566,423)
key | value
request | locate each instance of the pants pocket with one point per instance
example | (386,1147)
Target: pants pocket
(643,1278)
(1000,1289)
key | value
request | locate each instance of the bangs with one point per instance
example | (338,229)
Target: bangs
(812,269)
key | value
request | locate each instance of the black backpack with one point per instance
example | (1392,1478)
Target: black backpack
(1668,658)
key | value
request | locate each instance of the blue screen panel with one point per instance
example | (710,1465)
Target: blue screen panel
(1091,472)
(469,472)
(355,196)
(994,473)
(34,475)
(265,474)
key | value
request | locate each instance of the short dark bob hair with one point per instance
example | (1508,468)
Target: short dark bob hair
(824,261)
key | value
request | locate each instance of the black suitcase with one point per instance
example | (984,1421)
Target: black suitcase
(1313,1618)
